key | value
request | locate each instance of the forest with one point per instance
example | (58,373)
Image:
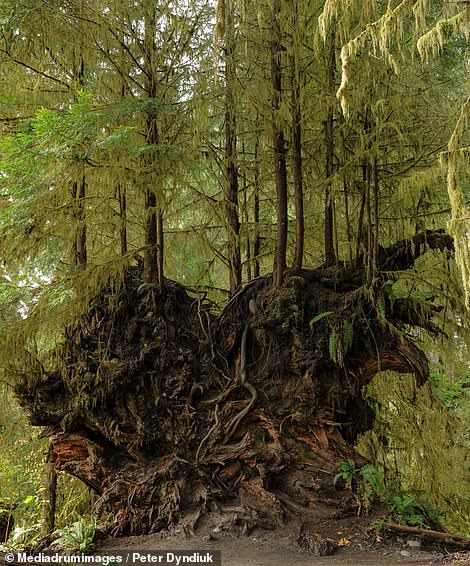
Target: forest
(235,264)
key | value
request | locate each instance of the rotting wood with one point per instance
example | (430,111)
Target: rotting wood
(430,535)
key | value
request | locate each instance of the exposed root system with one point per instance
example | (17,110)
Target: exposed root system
(168,411)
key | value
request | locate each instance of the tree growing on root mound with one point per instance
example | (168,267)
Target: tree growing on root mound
(167,410)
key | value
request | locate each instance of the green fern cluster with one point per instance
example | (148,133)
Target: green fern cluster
(366,483)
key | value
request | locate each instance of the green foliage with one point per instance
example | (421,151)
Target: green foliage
(367,485)
(164,130)
(79,536)
(453,393)
(319,317)
(333,345)
(366,482)
(25,536)
(22,456)
(74,500)
(21,453)
(28,532)
(348,335)
(406,509)
(421,446)
(347,471)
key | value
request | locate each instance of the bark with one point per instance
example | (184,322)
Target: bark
(347,218)
(49,498)
(160,249)
(279,148)
(369,231)
(80,243)
(153,257)
(364,231)
(430,535)
(256,235)
(121,193)
(186,411)
(246,219)
(151,252)
(297,164)
(330,254)
(361,235)
(375,231)
(79,251)
(231,185)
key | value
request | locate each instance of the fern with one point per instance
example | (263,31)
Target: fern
(371,475)
(333,346)
(381,308)
(348,336)
(319,317)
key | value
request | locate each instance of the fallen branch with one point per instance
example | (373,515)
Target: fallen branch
(403,254)
(435,536)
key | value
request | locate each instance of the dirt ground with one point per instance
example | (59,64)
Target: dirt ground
(279,548)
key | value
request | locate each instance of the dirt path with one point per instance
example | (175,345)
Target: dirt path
(270,549)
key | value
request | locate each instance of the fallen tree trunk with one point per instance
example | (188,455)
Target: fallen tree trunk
(429,535)
(167,410)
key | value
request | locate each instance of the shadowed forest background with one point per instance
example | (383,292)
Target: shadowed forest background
(235,262)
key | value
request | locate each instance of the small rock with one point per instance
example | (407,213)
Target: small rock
(406,554)
(416,544)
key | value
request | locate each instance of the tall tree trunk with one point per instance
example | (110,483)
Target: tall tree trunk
(161,248)
(80,243)
(79,187)
(246,220)
(121,188)
(330,254)
(231,183)
(297,151)
(369,227)
(361,237)
(256,234)
(363,232)
(375,231)
(121,194)
(367,177)
(279,148)
(151,254)
(347,218)
(49,497)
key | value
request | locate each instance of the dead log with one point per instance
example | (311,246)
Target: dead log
(429,535)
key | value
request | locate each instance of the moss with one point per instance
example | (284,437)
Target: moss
(419,444)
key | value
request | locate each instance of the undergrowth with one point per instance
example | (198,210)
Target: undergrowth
(420,444)
(22,458)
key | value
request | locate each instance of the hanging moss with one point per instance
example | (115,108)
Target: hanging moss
(420,445)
